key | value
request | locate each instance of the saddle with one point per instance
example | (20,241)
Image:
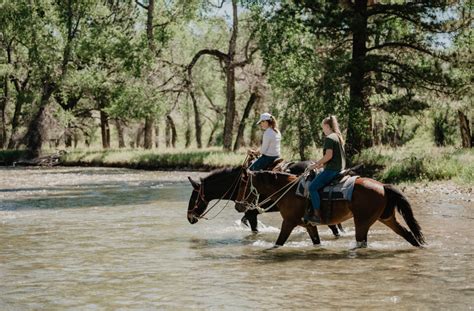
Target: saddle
(340,188)
(276,165)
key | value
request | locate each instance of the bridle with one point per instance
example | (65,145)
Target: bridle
(201,198)
(249,205)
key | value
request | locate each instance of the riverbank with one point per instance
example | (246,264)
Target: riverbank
(407,164)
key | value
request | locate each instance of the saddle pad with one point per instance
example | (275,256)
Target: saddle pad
(340,191)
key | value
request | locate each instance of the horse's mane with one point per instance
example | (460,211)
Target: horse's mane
(217,173)
(269,176)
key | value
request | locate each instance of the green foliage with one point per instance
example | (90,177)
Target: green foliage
(444,128)
(414,163)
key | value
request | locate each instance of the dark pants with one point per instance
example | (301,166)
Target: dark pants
(262,163)
(319,182)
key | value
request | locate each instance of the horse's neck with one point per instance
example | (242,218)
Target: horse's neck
(220,188)
(267,187)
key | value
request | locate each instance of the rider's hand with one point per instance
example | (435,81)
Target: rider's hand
(315,166)
(252,152)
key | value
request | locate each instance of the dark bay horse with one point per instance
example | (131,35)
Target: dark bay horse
(224,184)
(371,201)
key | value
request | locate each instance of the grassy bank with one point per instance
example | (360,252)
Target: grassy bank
(185,159)
(410,163)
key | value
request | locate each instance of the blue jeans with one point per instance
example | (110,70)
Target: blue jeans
(262,163)
(319,182)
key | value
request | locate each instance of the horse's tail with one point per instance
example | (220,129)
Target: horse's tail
(396,198)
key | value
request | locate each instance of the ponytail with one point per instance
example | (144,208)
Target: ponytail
(273,124)
(334,125)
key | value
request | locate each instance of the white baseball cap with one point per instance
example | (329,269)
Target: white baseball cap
(264,117)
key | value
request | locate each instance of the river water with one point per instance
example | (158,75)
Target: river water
(108,239)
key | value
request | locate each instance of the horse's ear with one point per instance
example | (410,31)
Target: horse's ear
(195,184)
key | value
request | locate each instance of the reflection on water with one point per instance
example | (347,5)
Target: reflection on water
(89,238)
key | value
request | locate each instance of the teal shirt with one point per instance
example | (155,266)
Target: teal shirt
(338,160)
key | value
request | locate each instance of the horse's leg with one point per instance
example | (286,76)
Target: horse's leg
(393,224)
(286,228)
(314,234)
(339,226)
(334,230)
(362,226)
(251,217)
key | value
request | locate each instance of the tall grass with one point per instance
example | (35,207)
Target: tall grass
(412,163)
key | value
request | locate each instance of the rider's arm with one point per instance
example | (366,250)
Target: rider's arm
(326,158)
(265,143)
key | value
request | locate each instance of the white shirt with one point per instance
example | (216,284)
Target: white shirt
(271,143)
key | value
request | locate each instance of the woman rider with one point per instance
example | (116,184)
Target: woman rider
(333,161)
(270,149)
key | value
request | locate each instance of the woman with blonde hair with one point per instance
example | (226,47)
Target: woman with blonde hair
(270,149)
(333,162)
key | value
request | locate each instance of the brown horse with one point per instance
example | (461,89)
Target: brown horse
(224,184)
(371,201)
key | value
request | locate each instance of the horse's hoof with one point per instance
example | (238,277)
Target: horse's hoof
(337,236)
(361,244)
(273,247)
(255,231)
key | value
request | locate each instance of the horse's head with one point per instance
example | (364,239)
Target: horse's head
(247,193)
(197,203)
(220,184)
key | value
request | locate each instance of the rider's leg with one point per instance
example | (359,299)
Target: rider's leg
(319,182)
(262,163)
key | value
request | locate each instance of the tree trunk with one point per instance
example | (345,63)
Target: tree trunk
(3,106)
(230,85)
(157,136)
(21,90)
(139,136)
(359,127)
(210,141)
(120,133)
(197,121)
(149,125)
(37,130)
(466,136)
(68,136)
(240,133)
(104,129)
(149,25)
(172,128)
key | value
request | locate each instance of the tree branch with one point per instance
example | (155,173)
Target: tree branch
(141,4)
(405,45)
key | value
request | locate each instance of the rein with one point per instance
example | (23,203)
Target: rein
(252,205)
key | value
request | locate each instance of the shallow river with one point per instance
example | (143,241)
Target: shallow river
(108,239)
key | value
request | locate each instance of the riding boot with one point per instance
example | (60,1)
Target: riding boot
(315,217)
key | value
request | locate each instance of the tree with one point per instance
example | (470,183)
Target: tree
(229,63)
(382,37)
